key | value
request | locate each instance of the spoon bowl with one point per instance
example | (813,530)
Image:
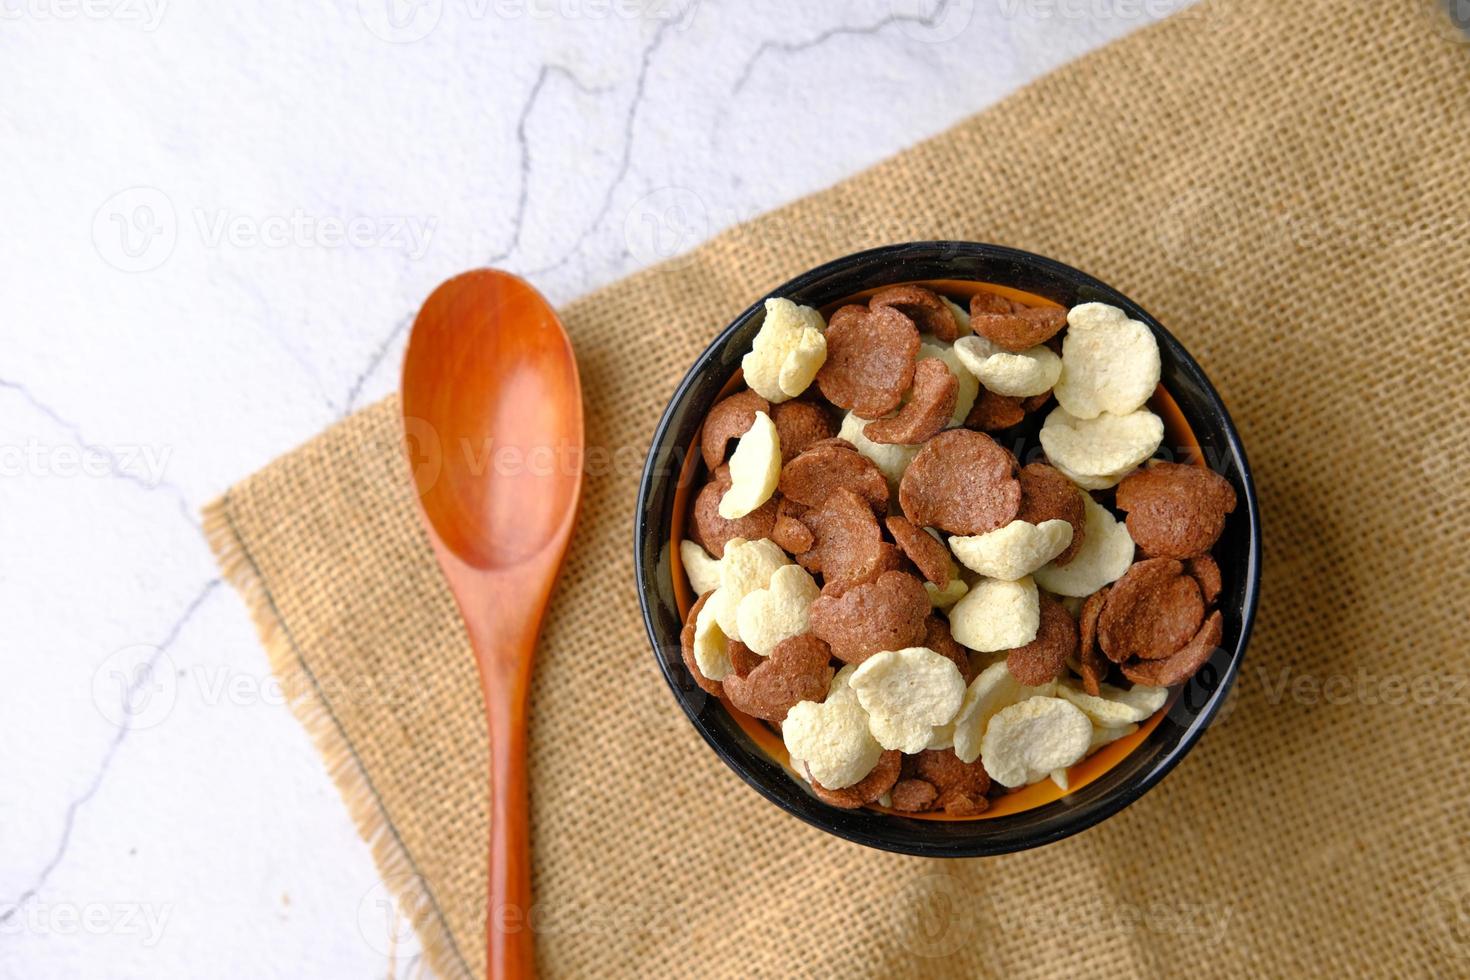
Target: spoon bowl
(492,412)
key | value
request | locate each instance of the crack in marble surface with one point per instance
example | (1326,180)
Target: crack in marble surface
(100,775)
(843,30)
(107,455)
(625,162)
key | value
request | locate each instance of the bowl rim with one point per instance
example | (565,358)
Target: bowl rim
(1123,795)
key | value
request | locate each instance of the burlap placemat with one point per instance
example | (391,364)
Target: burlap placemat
(1282,183)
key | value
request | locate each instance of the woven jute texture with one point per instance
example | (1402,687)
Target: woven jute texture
(1283,184)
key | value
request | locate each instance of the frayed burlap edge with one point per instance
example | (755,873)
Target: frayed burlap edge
(402,878)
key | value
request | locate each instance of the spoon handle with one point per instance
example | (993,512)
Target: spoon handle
(510,947)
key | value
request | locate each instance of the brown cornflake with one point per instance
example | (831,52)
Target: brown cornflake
(925,307)
(1017,329)
(797,670)
(929,555)
(816,474)
(961,482)
(712,531)
(799,425)
(1044,658)
(888,614)
(1151,612)
(1182,665)
(870,788)
(1176,510)
(927,411)
(730,419)
(870,359)
(1047,495)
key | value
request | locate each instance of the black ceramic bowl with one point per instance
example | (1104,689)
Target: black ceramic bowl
(1190,710)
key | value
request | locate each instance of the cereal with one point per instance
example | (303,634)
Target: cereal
(1094,665)
(1182,665)
(1204,570)
(912,795)
(993,689)
(799,426)
(890,460)
(993,412)
(730,419)
(1014,551)
(927,552)
(961,786)
(686,647)
(768,617)
(1109,362)
(1176,510)
(1024,374)
(702,570)
(927,411)
(1151,611)
(755,468)
(961,315)
(1048,495)
(789,531)
(1097,452)
(1025,742)
(831,737)
(797,670)
(847,546)
(870,362)
(816,474)
(713,531)
(1044,658)
(787,352)
(888,614)
(1012,326)
(967,386)
(1115,707)
(711,648)
(961,482)
(930,313)
(870,788)
(952,593)
(996,615)
(907,694)
(938,638)
(747,566)
(1106,553)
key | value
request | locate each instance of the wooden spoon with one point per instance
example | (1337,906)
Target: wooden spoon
(492,416)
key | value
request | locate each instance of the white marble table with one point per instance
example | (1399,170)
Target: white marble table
(218,220)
